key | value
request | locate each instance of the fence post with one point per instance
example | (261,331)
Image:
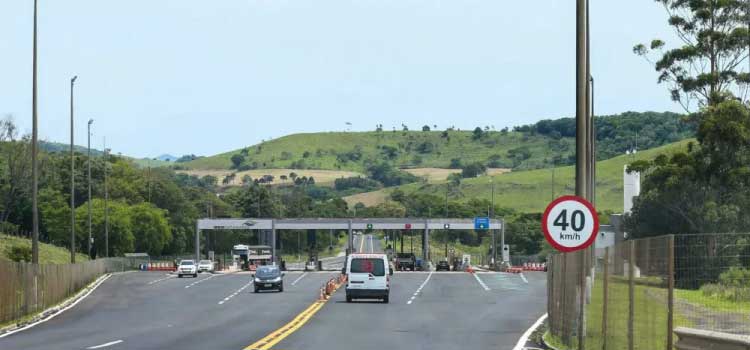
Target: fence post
(670,292)
(631,294)
(605,300)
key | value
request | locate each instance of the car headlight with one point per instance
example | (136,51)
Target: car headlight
(277,279)
(257,279)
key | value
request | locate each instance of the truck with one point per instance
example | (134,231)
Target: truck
(406,261)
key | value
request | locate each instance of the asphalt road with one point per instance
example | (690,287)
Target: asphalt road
(145,314)
(440,310)
(452,310)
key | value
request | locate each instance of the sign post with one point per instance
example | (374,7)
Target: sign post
(570,223)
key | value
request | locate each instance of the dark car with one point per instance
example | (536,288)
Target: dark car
(268,278)
(443,266)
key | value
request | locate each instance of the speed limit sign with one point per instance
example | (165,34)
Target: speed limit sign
(570,223)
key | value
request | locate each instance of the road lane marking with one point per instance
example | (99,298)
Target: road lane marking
(361,244)
(525,337)
(200,281)
(278,335)
(161,279)
(105,345)
(419,290)
(230,296)
(481,282)
(523,278)
(299,278)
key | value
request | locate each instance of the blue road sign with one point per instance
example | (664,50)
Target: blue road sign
(481,223)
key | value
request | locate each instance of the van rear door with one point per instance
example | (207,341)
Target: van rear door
(367,273)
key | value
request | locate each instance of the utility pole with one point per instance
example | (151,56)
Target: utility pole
(34,150)
(88,161)
(494,233)
(447,232)
(72,180)
(582,116)
(106,200)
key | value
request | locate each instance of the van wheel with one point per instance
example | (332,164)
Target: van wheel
(348,298)
(385,299)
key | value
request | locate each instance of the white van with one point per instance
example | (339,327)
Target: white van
(368,277)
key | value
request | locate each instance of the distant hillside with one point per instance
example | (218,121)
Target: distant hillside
(531,191)
(167,158)
(525,147)
(57,147)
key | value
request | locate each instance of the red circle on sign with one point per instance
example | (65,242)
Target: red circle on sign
(407,226)
(554,243)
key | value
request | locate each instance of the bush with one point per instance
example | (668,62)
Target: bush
(389,176)
(473,170)
(19,253)
(734,285)
(363,183)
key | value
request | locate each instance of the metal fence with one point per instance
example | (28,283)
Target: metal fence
(26,289)
(636,292)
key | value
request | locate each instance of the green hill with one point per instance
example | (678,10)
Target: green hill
(48,254)
(525,147)
(531,191)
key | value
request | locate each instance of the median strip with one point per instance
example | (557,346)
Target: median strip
(278,335)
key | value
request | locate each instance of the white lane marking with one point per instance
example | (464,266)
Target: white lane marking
(525,337)
(230,296)
(481,282)
(105,344)
(161,279)
(372,246)
(419,290)
(299,278)
(200,281)
(523,278)
(80,297)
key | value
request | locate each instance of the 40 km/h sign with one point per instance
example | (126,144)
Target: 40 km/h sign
(570,223)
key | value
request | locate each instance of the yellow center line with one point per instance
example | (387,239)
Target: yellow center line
(280,334)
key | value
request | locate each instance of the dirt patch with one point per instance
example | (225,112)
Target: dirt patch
(368,198)
(441,174)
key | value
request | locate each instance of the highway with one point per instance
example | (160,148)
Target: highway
(150,310)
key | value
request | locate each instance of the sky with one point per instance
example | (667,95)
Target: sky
(204,77)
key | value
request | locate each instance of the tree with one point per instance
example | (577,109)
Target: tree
(477,133)
(426,128)
(237,160)
(473,170)
(714,42)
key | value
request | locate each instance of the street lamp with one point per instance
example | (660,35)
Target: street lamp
(34,150)
(72,180)
(88,161)
(106,201)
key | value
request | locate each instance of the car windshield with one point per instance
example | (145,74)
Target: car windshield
(368,265)
(186,262)
(265,272)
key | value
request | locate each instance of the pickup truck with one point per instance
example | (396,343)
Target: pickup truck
(406,261)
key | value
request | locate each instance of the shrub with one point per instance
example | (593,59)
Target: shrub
(19,253)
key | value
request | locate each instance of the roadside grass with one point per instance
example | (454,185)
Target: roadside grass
(324,148)
(650,320)
(696,297)
(48,253)
(530,191)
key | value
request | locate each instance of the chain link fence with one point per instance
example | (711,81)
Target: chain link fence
(26,289)
(636,292)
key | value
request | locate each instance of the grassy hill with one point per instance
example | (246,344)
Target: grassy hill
(525,147)
(353,150)
(531,191)
(48,254)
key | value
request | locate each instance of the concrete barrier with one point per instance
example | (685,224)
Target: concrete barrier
(695,339)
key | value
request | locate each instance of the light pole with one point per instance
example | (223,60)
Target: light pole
(34,175)
(72,180)
(88,161)
(106,200)
(492,216)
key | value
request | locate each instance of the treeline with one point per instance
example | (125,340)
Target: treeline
(617,134)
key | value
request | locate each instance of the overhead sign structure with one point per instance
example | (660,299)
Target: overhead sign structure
(481,223)
(570,223)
